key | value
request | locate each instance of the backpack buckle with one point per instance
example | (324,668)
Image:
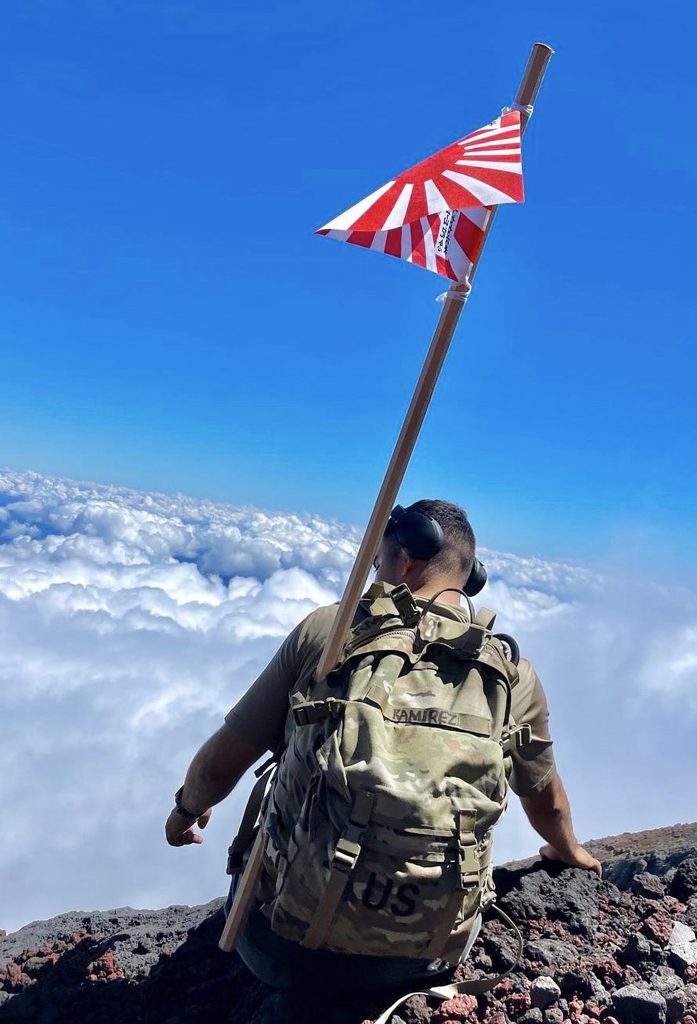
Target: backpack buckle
(348,848)
(469,866)
(520,737)
(406,606)
(235,864)
(311,712)
(345,855)
(468,851)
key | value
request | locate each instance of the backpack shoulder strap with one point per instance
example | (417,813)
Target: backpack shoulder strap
(245,835)
(484,618)
(384,599)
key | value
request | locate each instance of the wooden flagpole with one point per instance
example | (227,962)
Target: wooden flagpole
(452,308)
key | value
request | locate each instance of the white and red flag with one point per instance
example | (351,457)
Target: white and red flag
(435,214)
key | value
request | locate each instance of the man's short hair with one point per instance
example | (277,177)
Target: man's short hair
(456,557)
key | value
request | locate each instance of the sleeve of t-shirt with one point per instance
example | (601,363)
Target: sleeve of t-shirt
(260,713)
(533,764)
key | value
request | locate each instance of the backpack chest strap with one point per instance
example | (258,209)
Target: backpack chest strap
(311,712)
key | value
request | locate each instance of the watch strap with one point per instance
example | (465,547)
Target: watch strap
(180,807)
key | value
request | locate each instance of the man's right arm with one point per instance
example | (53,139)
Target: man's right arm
(549,813)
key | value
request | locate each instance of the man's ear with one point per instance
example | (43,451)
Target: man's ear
(406,563)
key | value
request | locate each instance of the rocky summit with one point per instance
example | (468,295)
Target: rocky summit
(620,950)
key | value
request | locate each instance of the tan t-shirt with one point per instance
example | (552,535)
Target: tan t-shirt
(260,714)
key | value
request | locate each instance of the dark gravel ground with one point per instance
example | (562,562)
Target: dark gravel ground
(618,950)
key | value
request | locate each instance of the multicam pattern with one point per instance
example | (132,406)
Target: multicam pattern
(387,736)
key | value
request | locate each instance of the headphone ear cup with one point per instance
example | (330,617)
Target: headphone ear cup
(476,579)
(419,534)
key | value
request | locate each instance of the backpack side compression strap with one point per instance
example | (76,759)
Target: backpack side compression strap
(342,864)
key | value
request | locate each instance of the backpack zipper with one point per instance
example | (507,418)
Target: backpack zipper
(359,642)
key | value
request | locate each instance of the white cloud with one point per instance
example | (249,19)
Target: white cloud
(130,623)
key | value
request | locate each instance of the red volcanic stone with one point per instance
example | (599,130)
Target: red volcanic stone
(15,978)
(658,927)
(517,1003)
(674,906)
(497,1017)
(609,972)
(575,1008)
(649,886)
(105,968)
(503,988)
(459,1008)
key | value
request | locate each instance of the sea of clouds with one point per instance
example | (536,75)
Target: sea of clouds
(131,622)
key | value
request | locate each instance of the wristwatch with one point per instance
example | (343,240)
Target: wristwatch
(180,807)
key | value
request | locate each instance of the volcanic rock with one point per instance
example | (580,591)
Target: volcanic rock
(639,1006)
(683,946)
(460,1008)
(658,927)
(592,943)
(649,886)
(544,991)
(684,883)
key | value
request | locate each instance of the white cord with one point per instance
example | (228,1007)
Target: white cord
(522,108)
(458,292)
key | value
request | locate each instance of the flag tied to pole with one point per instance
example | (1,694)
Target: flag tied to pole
(436,213)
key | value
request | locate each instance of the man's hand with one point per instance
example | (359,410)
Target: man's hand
(179,829)
(578,858)
(550,815)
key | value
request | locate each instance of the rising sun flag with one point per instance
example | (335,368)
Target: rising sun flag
(436,214)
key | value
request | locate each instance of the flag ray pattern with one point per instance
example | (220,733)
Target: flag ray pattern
(435,214)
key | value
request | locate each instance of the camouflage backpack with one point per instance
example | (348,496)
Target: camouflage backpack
(378,822)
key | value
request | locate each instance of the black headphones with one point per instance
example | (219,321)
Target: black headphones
(422,537)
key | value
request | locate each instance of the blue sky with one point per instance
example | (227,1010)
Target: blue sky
(169,320)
